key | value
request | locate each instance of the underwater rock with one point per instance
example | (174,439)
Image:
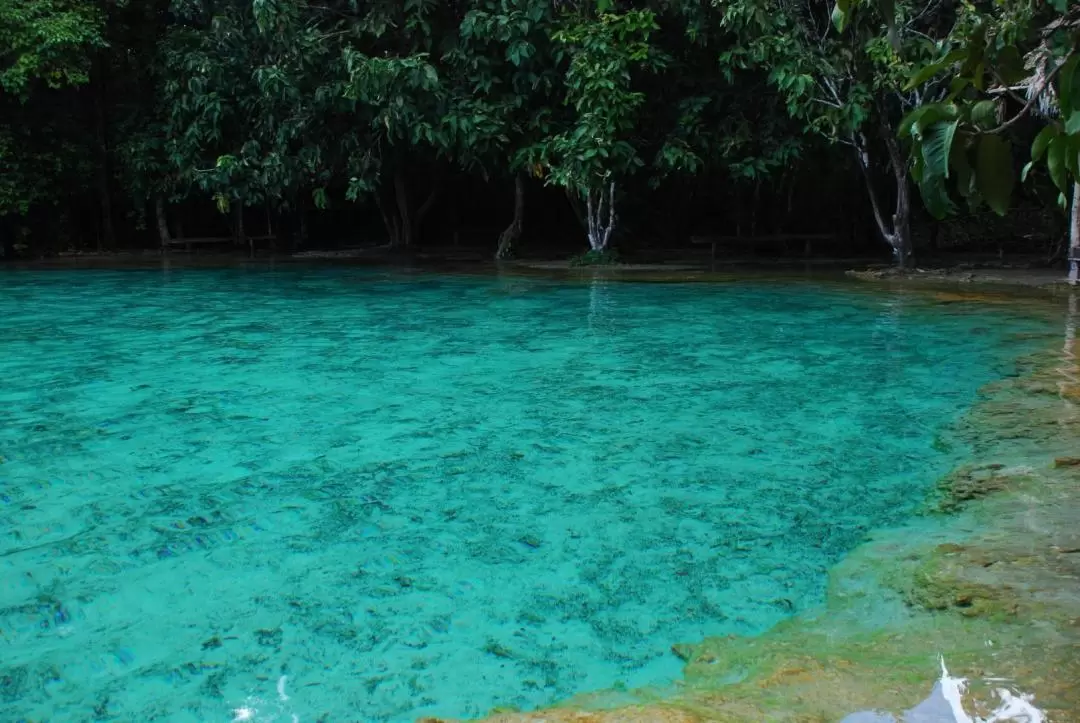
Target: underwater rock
(531,541)
(1067,462)
(971,482)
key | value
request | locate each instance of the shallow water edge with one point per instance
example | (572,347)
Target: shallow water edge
(988,579)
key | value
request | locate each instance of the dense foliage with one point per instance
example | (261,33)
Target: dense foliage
(647,120)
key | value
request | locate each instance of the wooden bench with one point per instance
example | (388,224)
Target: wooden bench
(754,241)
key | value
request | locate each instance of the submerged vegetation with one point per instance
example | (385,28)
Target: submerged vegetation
(644,120)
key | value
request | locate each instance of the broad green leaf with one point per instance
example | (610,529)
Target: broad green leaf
(1069,85)
(1056,163)
(961,166)
(1010,65)
(1072,125)
(1042,141)
(935,150)
(917,168)
(937,147)
(924,74)
(994,173)
(984,114)
(1071,160)
(957,86)
(978,76)
(841,14)
(907,123)
(916,121)
(935,196)
(929,71)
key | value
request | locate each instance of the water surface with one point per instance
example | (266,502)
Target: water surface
(349,495)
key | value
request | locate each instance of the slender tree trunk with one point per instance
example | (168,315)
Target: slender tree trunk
(897,230)
(107,238)
(238,225)
(1074,236)
(513,232)
(754,208)
(404,208)
(162,222)
(601,219)
(390,221)
(303,227)
(901,238)
(404,223)
(8,234)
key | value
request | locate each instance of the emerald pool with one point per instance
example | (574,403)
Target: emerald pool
(313,494)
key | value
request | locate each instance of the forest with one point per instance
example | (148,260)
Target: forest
(541,126)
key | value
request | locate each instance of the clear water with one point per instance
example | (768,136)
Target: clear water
(416,495)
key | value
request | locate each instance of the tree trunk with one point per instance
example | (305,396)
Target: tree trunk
(238,226)
(107,239)
(403,222)
(162,222)
(303,231)
(896,231)
(390,221)
(404,208)
(1074,236)
(513,232)
(901,236)
(9,242)
(601,221)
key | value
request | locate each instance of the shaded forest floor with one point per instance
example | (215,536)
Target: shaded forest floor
(655,265)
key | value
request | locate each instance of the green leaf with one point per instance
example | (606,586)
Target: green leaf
(1056,163)
(937,147)
(927,72)
(1027,170)
(934,152)
(957,85)
(994,173)
(1010,65)
(961,166)
(1069,85)
(935,196)
(916,121)
(984,114)
(1042,141)
(1073,124)
(841,14)
(907,123)
(1072,162)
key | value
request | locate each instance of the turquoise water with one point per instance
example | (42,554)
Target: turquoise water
(324,495)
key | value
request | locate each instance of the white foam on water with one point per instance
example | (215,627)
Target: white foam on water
(953,691)
(1015,708)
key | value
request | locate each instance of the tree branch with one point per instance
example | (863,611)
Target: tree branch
(1033,99)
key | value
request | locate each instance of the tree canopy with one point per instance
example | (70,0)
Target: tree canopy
(622,110)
